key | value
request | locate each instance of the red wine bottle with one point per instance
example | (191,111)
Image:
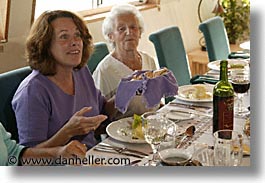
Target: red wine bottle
(223,101)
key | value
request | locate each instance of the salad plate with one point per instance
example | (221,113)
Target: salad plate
(195,93)
(232,64)
(121,130)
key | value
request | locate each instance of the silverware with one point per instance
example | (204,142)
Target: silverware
(122,149)
(190,106)
(189,132)
(134,163)
(118,152)
(193,112)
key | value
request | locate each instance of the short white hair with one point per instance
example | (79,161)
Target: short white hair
(120,9)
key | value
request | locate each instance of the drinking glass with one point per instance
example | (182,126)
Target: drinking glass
(240,79)
(154,129)
(202,153)
(228,149)
(169,140)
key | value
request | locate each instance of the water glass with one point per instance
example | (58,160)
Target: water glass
(169,140)
(203,154)
(228,149)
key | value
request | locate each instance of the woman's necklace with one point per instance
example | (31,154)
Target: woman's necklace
(140,61)
(137,64)
(132,64)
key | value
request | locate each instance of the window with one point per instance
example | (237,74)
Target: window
(81,6)
(4,19)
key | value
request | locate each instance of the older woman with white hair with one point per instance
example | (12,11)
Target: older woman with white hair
(122,28)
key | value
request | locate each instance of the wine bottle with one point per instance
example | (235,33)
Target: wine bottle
(223,101)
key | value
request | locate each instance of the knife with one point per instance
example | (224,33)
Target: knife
(117,152)
(191,106)
(193,112)
(104,145)
(134,163)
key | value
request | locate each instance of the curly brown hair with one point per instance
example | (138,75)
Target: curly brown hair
(38,42)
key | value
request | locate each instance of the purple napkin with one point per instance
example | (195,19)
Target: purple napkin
(152,90)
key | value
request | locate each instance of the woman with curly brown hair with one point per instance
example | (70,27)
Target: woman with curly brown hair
(58,101)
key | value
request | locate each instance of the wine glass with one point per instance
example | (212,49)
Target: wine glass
(154,129)
(169,140)
(240,79)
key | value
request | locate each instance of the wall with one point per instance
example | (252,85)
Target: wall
(182,13)
(12,56)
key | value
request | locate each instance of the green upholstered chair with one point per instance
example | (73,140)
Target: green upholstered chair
(100,51)
(217,43)
(216,39)
(171,53)
(9,82)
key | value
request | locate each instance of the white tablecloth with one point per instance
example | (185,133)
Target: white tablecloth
(203,134)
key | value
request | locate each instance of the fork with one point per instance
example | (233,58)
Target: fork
(104,149)
(121,149)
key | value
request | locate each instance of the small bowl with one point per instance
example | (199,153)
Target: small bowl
(174,157)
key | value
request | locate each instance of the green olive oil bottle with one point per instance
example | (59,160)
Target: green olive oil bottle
(223,101)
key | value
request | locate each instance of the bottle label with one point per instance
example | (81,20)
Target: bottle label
(223,113)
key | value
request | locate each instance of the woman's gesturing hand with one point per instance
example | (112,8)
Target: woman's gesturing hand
(80,125)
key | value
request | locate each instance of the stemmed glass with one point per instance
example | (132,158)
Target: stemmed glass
(154,129)
(240,79)
(169,140)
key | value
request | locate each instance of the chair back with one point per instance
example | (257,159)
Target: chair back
(217,43)
(9,82)
(100,51)
(171,53)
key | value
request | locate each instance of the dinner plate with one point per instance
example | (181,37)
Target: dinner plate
(188,93)
(232,64)
(121,130)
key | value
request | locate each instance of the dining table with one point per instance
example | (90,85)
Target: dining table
(140,152)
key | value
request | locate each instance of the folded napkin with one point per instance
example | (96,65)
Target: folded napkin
(152,89)
(201,79)
(239,54)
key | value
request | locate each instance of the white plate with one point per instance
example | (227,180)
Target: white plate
(185,90)
(215,65)
(121,130)
(178,116)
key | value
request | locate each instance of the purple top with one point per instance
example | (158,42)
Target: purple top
(42,108)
